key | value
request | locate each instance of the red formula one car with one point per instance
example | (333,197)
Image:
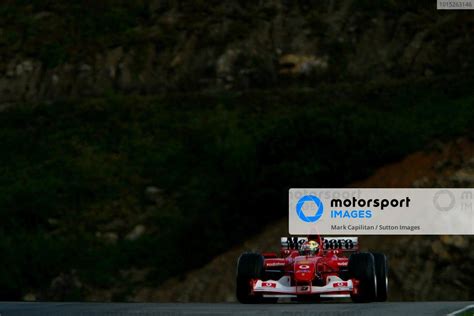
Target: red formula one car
(313,268)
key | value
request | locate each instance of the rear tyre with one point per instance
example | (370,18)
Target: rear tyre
(381,271)
(249,267)
(362,268)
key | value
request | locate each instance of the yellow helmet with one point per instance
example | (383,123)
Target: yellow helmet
(310,247)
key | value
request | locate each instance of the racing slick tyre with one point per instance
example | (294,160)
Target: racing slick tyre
(249,266)
(381,271)
(362,268)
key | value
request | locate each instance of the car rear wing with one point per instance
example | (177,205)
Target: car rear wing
(292,242)
(328,243)
(341,243)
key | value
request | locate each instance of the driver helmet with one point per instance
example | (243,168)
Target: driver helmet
(309,248)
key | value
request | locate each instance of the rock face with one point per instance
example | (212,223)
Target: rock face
(185,46)
(65,286)
(420,267)
(432,268)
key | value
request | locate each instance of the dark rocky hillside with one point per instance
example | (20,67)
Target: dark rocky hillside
(135,135)
(58,49)
(420,267)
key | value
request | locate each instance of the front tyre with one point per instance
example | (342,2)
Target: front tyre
(362,268)
(381,271)
(249,267)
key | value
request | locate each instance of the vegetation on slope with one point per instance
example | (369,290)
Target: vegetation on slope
(198,172)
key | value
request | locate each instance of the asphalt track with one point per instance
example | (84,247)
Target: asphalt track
(289,309)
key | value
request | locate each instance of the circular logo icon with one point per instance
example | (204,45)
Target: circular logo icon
(444,200)
(309,199)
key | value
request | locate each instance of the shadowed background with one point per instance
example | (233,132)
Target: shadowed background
(142,140)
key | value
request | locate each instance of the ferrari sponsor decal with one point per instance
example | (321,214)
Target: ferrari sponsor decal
(269,284)
(380,212)
(303,272)
(340,243)
(340,284)
(303,266)
(275,264)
